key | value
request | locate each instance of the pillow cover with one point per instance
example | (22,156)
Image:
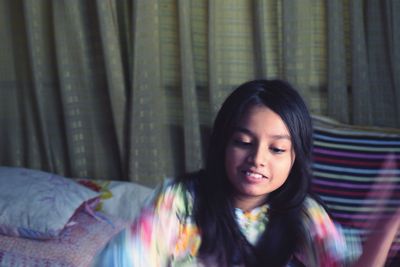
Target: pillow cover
(76,246)
(121,199)
(37,204)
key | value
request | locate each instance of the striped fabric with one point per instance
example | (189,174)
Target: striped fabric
(357,174)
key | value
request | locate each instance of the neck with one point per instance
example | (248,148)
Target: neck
(248,203)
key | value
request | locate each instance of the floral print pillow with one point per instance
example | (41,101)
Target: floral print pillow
(37,204)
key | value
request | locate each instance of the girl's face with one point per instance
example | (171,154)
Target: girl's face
(258,157)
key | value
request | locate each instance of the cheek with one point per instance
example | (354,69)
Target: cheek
(286,164)
(282,168)
(233,158)
(234,154)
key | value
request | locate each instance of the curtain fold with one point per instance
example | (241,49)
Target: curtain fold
(191,123)
(128,89)
(297,44)
(260,37)
(361,95)
(73,75)
(92,143)
(337,69)
(392,23)
(146,161)
(381,81)
(9,110)
(116,83)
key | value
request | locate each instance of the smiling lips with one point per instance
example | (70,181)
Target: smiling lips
(254,175)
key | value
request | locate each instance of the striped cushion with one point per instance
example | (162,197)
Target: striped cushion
(357,174)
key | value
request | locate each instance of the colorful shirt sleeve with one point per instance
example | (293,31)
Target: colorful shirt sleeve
(160,235)
(324,243)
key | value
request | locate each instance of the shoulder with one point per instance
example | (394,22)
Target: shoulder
(319,228)
(312,207)
(323,240)
(316,217)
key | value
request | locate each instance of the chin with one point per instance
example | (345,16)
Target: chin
(255,193)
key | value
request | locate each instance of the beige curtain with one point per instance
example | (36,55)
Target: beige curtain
(128,89)
(363,83)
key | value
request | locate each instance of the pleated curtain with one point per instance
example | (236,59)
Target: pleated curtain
(128,89)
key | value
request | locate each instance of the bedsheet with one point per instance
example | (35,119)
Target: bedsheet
(83,243)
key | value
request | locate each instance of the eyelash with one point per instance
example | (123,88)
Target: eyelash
(277,150)
(247,144)
(242,143)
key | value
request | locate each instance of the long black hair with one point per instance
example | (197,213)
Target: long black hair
(213,210)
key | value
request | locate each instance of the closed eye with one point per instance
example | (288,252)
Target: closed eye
(277,150)
(242,143)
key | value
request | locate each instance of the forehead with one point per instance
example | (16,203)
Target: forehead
(262,120)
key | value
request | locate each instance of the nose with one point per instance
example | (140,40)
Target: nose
(258,156)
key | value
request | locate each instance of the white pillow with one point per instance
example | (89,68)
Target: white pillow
(37,204)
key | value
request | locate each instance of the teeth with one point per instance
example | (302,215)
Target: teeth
(255,175)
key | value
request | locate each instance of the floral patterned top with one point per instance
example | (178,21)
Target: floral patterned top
(165,233)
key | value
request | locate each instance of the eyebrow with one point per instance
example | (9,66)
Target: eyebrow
(276,136)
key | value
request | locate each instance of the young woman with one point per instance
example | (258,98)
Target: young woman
(250,205)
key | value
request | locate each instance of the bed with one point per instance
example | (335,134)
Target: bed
(50,220)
